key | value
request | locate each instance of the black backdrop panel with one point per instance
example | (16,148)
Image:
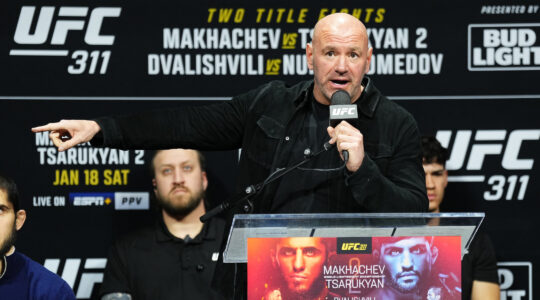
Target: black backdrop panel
(467,71)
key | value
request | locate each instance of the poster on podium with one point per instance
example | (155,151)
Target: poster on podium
(356,268)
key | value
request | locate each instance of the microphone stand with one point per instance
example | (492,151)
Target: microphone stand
(253,190)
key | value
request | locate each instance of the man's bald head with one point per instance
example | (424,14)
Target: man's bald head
(339,56)
(340,22)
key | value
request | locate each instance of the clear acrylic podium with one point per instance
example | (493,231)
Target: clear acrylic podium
(348,225)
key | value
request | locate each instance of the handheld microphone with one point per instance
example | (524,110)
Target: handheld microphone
(342,109)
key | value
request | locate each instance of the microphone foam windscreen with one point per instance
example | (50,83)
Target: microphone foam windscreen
(340,97)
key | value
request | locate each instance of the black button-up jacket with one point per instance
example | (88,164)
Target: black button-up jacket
(264,121)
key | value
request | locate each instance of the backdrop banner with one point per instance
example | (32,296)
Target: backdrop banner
(467,71)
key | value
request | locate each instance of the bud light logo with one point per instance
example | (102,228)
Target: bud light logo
(504,47)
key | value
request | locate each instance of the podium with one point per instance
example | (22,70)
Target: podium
(342,232)
(243,227)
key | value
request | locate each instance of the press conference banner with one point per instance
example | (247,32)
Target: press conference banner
(468,73)
(179,49)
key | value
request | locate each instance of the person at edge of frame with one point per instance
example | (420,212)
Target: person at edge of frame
(479,278)
(22,278)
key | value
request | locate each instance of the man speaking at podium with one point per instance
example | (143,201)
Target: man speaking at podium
(278,125)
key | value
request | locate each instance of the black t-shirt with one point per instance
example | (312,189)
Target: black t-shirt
(479,264)
(153,264)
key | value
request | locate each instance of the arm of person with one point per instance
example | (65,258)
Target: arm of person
(485,283)
(400,187)
(206,127)
(62,292)
(483,290)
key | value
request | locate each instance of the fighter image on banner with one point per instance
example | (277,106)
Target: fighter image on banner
(358,268)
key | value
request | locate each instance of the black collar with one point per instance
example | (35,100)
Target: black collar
(164,235)
(369,99)
(367,103)
(303,96)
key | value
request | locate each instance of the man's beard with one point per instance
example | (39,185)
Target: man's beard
(6,244)
(179,211)
(407,290)
(313,291)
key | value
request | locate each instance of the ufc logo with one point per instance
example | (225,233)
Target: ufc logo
(87,280)
(496,140)
(63,26)
(353,246)
(341,111)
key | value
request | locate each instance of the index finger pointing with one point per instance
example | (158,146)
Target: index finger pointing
(48,127)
